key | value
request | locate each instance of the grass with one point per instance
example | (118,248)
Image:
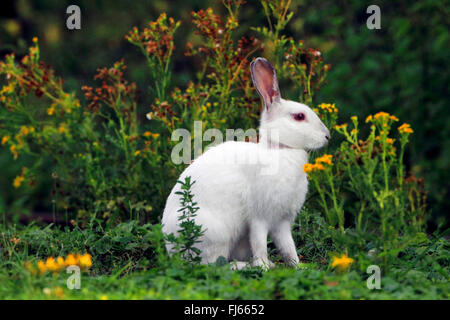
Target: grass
(129,262)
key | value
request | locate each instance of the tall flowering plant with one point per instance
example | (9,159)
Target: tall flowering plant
(363,188)
(108,163)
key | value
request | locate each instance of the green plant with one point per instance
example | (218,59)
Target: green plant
(111,168)
(103,156)
(189,233)
(363,190)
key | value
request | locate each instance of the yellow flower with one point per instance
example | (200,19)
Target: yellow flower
(24,130)
(155,135)
(60,263)
(354,131)
(62,128)
(71,260)
(103,297)
(7,89)
(5,139)
(147,133)
(394,118)
(18,181)
(308,167)
(381,115)
(354,118)
(208,104)
(13,149)
(326,158)
(35,39)
(137,152)
(319,166)
(41,266)
(328,107)
(86,261)
(342,263)
(405,128)
(51,265)
(342,126)
(390,140)
(369,118)
(51,111)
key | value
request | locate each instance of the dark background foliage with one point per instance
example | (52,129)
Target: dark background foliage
(401,69)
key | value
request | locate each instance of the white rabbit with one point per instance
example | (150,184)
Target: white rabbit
(240,205)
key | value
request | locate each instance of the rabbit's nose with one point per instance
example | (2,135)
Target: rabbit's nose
(327,133)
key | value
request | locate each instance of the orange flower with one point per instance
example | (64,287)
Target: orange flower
(18,181)
(41,266)
(331,108)
(51,265)
(308,167)
(13,149)
(381,115)
(5,139)
(394,118)
(85,260)
(71,260)
(326,158)
(342,263)
(60,263)
(319,166)
(62,128)
(342,126)
(405,128)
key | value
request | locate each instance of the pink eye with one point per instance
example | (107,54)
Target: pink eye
(299,116)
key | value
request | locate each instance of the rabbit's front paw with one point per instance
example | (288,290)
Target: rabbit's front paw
(239,265)
(265,264)
(292,262)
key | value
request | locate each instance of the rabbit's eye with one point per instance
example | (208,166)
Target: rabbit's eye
(299,116)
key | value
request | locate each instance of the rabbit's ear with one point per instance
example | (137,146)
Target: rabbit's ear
(265,80)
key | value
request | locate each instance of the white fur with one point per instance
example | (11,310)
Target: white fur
(239,204)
